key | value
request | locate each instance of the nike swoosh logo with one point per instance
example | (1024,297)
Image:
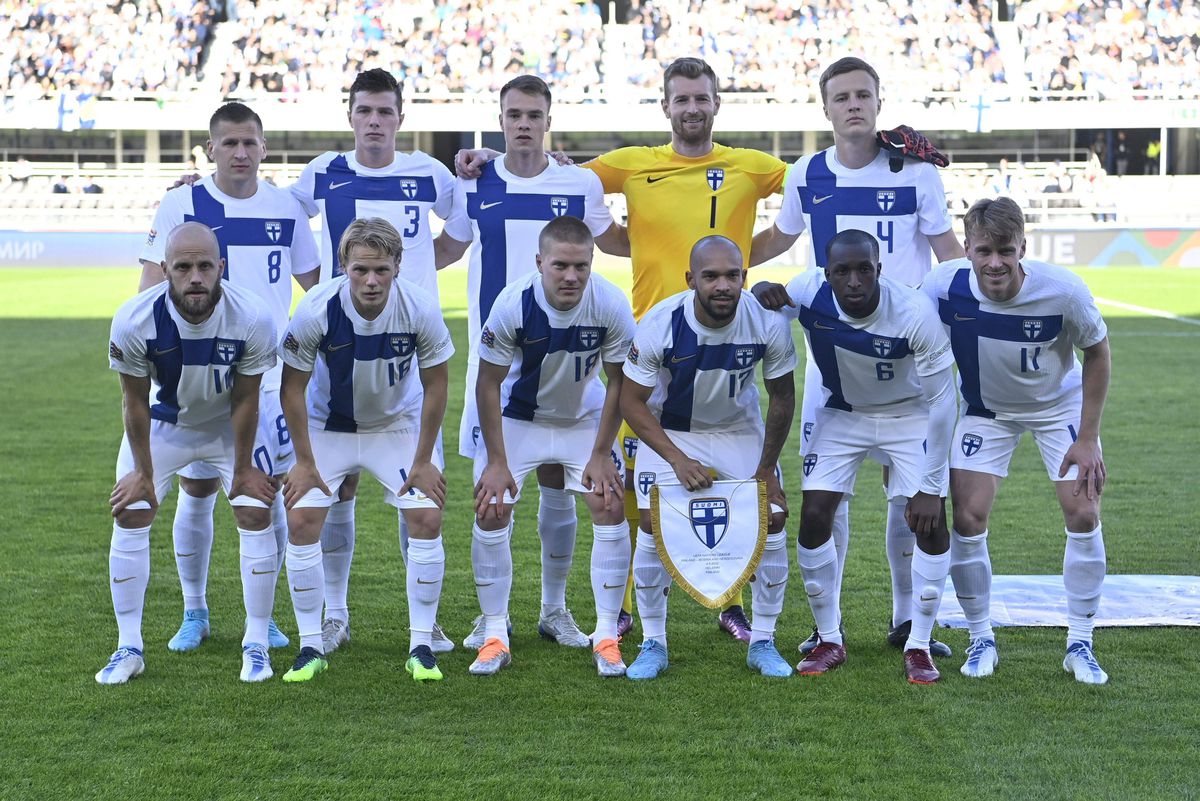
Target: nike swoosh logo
(303,589)
(486,206)
(255,571)
(962,319)
(339,186)
(656,180)
(490,583)
(647,587)
(158,352)
(216,228)
(184,555)
(771,586)
(608,586)
(122,581)
(560,556)
(535,341)
(422,581)
(822,199)
(341,547)
(332,348)
(906,554)
(677,359)
(824,327)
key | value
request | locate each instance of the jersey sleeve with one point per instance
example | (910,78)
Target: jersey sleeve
(305,257)
(1083,320)
(644,359)
(767,172)
(168,216)
(790,220)
(780,356)
(498,337)
(930,345)
(458,224)
(800,292)
(260,353)
(434,345)
(931,203)
(305,189)
(621,328)
(126,348)
(445,182)
(303,336)
(598,217)
(612,177)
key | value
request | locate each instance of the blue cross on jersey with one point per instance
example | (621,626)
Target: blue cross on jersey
(341,188)
(827,333)
(491,205)
(824,201)
(968,323)
(170,353)
(238,231)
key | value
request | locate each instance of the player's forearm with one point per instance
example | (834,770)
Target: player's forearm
(610,414)
(244,418)
(1097,370)
(447,250)
(938,390)
(136,417)
(295,412)
(152,275)
(781,407)
(648,429)
(768,244)
(434,382)
(491,427)
(615,241)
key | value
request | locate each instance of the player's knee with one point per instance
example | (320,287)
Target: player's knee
(609,517)
(816,526)
(199,487)
(135,518)
(491,521)
(304,525)
(968,521)
(1082,515)
(423,524)
(252,518)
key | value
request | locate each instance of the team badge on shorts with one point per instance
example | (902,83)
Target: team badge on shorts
(885,198)
(716,177)
(646,480)
(971,443)
(810,461)
(274,230)
(630,446)
(710,520)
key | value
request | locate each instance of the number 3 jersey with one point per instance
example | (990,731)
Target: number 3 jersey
(871,365)
(264,239)
(1016,358)
(556,356)
(703,378)
(193,365)
(363,372)
(900,209)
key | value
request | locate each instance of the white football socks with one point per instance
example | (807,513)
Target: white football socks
(259,572)
(610,565)
(192,533)
(1083,576)
(556,529)
(928,582)
(768,587)
(819,568)
(306,582)
(426,567)
(129,573)
(841,542)
(491,561)
(280,527)
(971,570)
(337,548)
(900,543)
(651,584)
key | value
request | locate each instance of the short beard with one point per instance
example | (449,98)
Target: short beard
(186,311)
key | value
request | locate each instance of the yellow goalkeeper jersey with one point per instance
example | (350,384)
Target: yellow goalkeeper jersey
(674,201)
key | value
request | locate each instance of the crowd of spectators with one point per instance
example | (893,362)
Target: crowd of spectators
(1112,48)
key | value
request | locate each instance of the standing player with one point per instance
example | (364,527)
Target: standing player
(503,212)
(366,411)
(859,184)
(1014,325)
(207,344)
(887,372)
(691,398)
(539,390)
(375,180)
(265,240)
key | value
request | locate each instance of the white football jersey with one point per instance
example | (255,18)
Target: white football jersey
(1016,358)
(555,356)
(503,214)
(900,209)
(703,378)
(363,377)
(871,365)
(265,239)
(341,190)
(193,365)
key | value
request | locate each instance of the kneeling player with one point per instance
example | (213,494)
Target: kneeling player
(366,411)
(692,400)
(539,391)
(1015,325)
(887,378)
(207,344)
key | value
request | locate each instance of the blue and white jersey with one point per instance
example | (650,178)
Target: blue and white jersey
(264,239)
(193,365)
(871,365)
(703,378)
(555,356)
(363,377)
(1016,358)
(503,214)
(900,209)
(341,190)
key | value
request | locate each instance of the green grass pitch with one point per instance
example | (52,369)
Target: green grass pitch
(548,727)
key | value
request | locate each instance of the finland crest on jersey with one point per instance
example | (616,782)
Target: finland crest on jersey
(710,544)
(716,177)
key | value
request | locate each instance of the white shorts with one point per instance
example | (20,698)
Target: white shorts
(174,447)
(731,455)
(810,407)
(273,452)
(528,445)
(986,446)
(387,455)
(469,437)
(843,439)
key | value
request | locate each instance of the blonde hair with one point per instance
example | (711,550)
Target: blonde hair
(995,219)
(374,233)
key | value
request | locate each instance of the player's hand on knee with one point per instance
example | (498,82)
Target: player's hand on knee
(771,296)
(691,474)
(131,488)
(426,478)
(923,512)
(253,483)
(299,481)
(495,481)
(1086,455)
(601,477)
